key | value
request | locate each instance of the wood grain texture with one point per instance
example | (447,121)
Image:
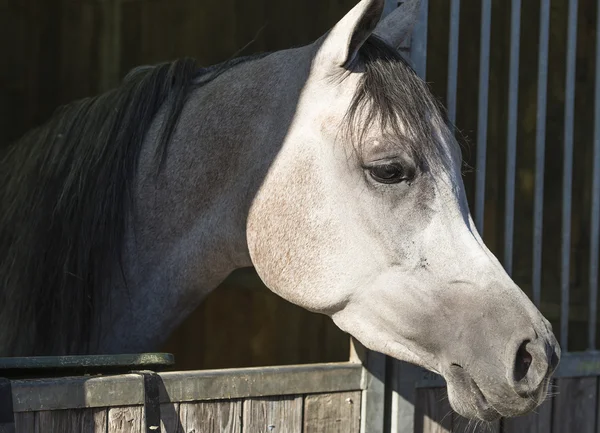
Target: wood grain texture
(24,422)
(70,421)
(273,415)
(128,419)
(575,405)
(332,413)
(433,413)
(539,421)
(211,417)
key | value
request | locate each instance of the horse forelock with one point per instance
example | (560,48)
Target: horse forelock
(392,96)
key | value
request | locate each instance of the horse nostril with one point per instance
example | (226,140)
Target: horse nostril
(522,362)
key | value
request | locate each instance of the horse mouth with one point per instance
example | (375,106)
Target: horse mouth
(472,402)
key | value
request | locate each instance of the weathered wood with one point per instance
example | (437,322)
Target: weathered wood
(25,422)
(579,365)
(129,419)
(127,389)
(575,405)
(539,421)
(257,382)
(169,418)
(211,417)
(433,413)
(7,428)
(273,415)
(71,421)
(332,413)
(77,392)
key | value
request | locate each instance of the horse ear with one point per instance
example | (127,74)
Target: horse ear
(342,42)
(396,27)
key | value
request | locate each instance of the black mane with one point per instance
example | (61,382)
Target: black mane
(65,192)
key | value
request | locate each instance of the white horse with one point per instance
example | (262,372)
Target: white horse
(329,168)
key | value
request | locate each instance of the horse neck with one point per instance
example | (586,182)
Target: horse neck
(188,232)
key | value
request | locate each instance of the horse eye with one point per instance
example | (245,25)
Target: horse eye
(388,173)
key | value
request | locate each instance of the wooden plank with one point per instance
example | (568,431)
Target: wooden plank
(127,389)
(539,421)
(261,382)
(575,405)
(579,364)
(169,418)
(332,413)
(25,422)
(71,421)
(211,417)
(433,413)
(77,392)
(128,419)
(274,414)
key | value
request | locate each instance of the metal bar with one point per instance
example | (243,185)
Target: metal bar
(453,60)
(482,117)
(511,146)
(540,150)
(595,211)
(151,399)
(418,48)
(128,389)
(568,172)
(49,366)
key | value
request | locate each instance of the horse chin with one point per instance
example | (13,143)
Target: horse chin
(469,400)
(466,398)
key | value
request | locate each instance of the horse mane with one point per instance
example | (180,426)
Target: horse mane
(65,192)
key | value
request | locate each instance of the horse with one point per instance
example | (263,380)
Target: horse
(330,168)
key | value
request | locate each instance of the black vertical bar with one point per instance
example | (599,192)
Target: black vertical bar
(7,416)
(151,400)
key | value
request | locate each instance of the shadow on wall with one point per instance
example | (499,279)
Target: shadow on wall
(244,324)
